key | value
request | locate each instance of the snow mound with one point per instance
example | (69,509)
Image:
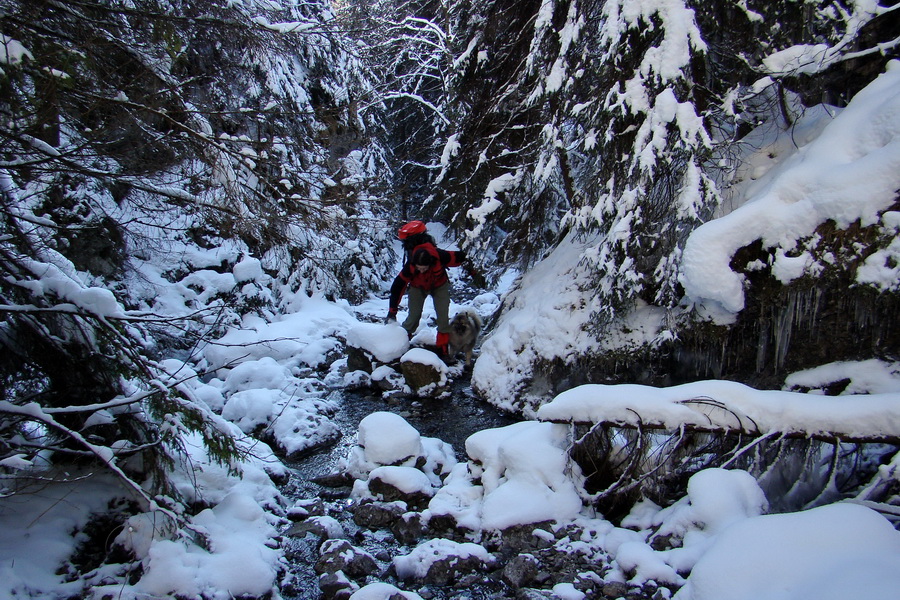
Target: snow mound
(388,439)
(832,552)
(517,475)
(385,342)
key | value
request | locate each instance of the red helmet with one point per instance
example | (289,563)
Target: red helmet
(411,228)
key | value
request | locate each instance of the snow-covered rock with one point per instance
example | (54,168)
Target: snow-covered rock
(424,371)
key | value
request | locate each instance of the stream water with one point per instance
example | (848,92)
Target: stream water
(451,419)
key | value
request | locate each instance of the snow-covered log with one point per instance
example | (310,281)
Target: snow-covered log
(725,406)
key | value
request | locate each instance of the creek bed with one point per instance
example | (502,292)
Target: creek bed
(451,419)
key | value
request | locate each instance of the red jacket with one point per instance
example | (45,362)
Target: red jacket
(428,281)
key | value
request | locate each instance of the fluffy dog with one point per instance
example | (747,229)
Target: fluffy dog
(464,330)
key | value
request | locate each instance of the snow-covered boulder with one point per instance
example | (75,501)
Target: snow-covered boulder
(340,555)
(425,372)
(370,343)
(441,561)
(406,484)
(387,439)
(801,555)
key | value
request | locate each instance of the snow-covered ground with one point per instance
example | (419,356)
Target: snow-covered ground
(516,474)
(837,165)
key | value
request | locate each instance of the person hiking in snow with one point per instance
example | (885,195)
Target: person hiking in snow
(424,274)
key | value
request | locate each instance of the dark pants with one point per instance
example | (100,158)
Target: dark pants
(441,298)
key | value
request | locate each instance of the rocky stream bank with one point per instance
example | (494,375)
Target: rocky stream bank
(355,523)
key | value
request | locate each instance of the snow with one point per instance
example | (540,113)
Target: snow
(828,553)
(406,479)
(12,52)
(729,405)
(850,172)
(513,475)
(382,591)
(249,269)
(37,533)
(261,375)
(301,336)
(417,562)
(385,342)
(388,439)
(864,377)
(516,475)
(241,564)
(490,203)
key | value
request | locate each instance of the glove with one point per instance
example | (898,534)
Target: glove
(391,318)
(460,256)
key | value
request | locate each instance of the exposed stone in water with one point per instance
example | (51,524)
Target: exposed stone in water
(378,515)
(533,594)
(520,571)
(424,379)
(614,589)
(321,526)
(408,529)
(358,360)
(387,492)
(306,508)
(341,555)
(336,586)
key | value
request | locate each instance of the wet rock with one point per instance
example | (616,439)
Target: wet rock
(662,594)
(520,571)
(305,508)
(387,379)
(378,515)
(341,555)
(649,590)
(321,526)
(447,570)
(664,542)
(533,594)
(424,378)
(336,586)
(357,380)
(408,529)
(468,581)
(523,537)
(614,589)
(384,483)
(384,555)
(445,526)
(358,360)
(334,480)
